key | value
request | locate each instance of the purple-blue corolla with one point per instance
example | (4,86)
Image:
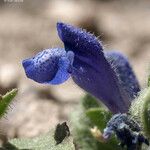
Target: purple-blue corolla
(106,75)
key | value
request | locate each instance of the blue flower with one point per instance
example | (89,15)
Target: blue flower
(106,75)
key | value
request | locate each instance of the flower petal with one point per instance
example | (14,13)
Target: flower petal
(91,71)
(124,71)
(78,40)
(64,69)
(48,65)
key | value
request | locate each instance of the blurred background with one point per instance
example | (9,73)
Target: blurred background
(28,26)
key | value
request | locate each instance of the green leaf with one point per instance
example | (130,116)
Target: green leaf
(99,117)
(81,130)
(5,101)
(140,110)
(89,102)
(43,142)
(88,114)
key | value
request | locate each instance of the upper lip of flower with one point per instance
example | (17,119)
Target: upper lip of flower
(92,69)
